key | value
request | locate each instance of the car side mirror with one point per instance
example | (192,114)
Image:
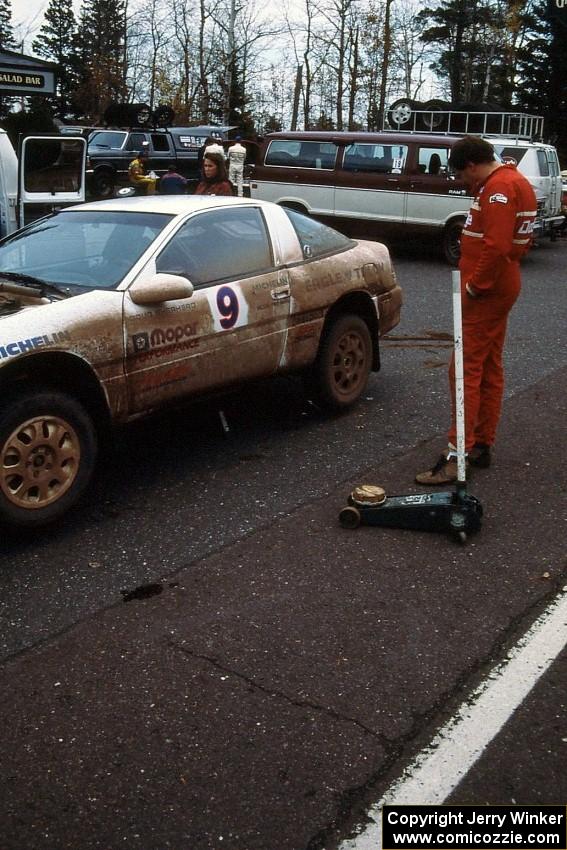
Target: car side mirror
(159,288)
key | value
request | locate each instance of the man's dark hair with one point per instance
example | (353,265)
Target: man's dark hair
(171,166)
(470,149)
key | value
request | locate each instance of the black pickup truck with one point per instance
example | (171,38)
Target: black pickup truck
(111,151)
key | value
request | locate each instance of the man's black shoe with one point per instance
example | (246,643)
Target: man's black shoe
(479,456)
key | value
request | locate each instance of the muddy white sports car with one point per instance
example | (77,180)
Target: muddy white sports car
(110,310)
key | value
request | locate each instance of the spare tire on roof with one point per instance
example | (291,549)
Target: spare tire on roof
(434,117)
(400,113)
(128,114)
(163,115)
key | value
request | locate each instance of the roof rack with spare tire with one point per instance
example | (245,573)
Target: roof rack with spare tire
(461,117)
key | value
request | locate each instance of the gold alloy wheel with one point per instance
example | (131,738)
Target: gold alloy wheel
(39,462)
(349,362)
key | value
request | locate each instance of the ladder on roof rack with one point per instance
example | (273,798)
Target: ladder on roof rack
(513,125)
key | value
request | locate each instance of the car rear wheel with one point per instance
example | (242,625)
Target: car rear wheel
(343,364)
(47,455)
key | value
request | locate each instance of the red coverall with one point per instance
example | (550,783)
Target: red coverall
(497,233)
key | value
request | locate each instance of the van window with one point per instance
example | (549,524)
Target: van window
(295,153)
(433,160)
(315,238)
(380,159)
(543,163)
(553,162)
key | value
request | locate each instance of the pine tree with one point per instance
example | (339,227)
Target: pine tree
(101,46)
(7,40)
(472,38)
(56,42)
(542,88)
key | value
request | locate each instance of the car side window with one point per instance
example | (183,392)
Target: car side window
(228,243)
(160,142)
(433,161)
(375,158)
(136,141)
(316,239)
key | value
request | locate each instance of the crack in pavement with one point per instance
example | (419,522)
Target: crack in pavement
(276,693)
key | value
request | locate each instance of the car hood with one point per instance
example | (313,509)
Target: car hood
(12,304)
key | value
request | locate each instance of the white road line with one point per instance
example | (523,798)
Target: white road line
(436,771)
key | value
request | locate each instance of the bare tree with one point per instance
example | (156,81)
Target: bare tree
(340,17)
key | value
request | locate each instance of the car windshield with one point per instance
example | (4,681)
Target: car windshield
(82,249)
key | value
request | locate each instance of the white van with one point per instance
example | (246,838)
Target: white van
(49,172)
(540,164)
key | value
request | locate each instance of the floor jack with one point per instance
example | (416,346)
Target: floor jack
(456,513)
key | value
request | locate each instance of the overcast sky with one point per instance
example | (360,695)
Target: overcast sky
(27,17)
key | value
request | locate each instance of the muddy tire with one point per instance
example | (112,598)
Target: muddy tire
(48,449)
(344,361)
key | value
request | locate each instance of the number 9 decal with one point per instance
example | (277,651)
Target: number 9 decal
(227,305)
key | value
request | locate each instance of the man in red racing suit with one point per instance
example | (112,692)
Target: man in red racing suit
(497,233)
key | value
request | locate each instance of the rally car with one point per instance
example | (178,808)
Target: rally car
(113,309)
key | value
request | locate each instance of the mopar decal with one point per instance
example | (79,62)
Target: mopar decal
(149,354)
(10,349)
(160,336)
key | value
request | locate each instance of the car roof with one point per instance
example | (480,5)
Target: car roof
(167,204)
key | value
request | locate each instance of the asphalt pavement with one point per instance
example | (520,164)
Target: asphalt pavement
(264,695)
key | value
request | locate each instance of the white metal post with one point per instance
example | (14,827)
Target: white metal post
(459,375)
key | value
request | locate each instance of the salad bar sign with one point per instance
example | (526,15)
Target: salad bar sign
(20,80)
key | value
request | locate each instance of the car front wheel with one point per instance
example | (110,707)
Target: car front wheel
(343,364)
(47,455)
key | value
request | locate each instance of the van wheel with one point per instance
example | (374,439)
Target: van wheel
(103,184)
(340,373)
(48,449)
(451,241)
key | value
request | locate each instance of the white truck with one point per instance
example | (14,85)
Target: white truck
(49,172)
(539,163)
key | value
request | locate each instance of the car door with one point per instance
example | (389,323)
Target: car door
(161,153)
(434,194)
(232,328)
(371,183)
(555,181)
